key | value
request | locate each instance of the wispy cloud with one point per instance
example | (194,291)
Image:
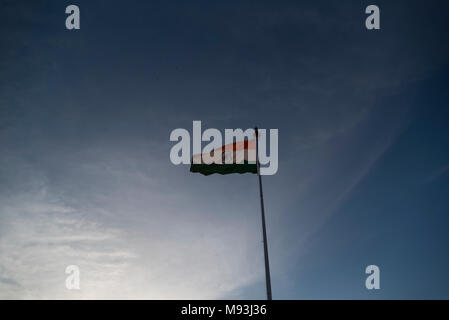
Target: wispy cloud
(127,243)
(438,173)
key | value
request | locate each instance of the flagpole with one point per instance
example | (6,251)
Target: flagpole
(264,231)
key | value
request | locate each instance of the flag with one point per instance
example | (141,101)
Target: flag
(237,157)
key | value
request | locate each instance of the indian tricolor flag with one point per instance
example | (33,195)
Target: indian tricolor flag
(237,157)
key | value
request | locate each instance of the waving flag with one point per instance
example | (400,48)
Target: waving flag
(237,157)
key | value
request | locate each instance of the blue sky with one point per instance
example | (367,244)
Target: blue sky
(85,175)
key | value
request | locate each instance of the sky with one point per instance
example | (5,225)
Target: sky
(85,171)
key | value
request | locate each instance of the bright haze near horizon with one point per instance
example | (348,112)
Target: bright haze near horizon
(86,177)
